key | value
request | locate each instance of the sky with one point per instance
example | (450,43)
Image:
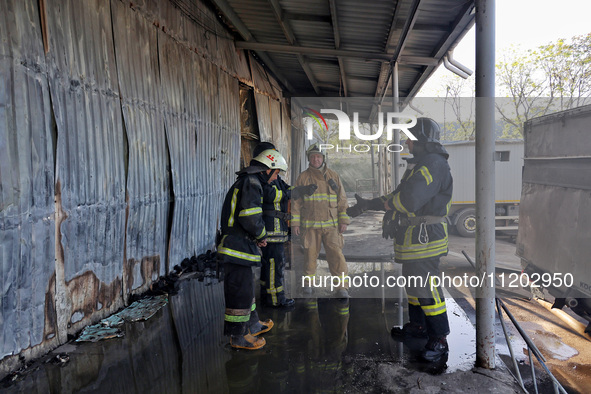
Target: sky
(523,23)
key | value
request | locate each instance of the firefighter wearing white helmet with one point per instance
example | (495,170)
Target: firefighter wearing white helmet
(321,219)
(272,159)
(243,233)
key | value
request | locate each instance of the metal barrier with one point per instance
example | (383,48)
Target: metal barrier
(531,347)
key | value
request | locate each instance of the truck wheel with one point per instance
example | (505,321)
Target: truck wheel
(466,223)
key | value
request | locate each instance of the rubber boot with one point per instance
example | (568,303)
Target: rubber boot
(436,350)
(247,342)
(261,327)
(410,329)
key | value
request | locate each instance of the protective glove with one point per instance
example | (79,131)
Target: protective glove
(359,208)
(389,225)
(305,190)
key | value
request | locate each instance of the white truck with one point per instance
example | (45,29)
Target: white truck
(509,163)
(554,240)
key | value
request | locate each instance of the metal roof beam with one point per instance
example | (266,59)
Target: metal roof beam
(231,15)
(291,38)
(258,46)
(408,26)
(418,61)
(384,76)
(337,43)
(329,88)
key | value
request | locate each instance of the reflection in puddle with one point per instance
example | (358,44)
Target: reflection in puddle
(321,345)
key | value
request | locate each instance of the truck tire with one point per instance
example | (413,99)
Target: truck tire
(466,223)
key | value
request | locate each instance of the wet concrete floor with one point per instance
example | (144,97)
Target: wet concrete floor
(320,345)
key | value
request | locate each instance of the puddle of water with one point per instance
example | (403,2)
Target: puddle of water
(548,342)
(316,346)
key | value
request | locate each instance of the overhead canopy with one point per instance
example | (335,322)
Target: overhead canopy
(345,48)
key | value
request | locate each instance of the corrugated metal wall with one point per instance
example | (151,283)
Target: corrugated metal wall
(118,145)
(148,184)
(90,170)
(27,227)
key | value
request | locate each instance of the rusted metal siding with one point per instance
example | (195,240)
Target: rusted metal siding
(204,143)
(262,82)
(264,117)
(118,146)
(90,171)
(148,188)
(27,227)
(299,142)
(275,114)
(284,141)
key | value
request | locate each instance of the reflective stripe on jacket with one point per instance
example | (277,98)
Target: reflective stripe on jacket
(326,207)
(242,222)
(275,198)
(425,190)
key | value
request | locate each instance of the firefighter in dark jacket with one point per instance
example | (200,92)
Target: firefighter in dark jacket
(242,235)
(276,196)
(416,218)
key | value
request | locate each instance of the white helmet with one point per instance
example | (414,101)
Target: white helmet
(272,159)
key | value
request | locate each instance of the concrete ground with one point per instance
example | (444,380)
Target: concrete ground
(559,334)
(324,344)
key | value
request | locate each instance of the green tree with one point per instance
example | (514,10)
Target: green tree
(552,78)
(567,67)
(459,98)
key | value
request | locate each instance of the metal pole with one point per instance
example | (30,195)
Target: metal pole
(485,182)
(373,168)
(382,171)
(396,181)
(396,108)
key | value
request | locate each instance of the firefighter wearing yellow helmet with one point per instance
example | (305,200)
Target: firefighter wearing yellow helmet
(321,219)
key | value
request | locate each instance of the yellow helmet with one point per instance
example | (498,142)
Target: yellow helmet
(272,159)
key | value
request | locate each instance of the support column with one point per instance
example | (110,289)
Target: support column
(395,108)
(485,182)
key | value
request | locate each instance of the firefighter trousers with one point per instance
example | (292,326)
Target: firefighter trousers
(272,273)
(426,303)
(239,298)
(333,243)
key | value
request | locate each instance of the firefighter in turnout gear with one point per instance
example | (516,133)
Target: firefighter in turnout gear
(416,218)
(321,219)
(243,233)
(276,196)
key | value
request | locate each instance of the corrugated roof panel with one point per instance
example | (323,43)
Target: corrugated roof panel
(325,72)
(289,65)
(313,34)
(262,23)
(361,88)
(306,7)
(27,223)
(364,25)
